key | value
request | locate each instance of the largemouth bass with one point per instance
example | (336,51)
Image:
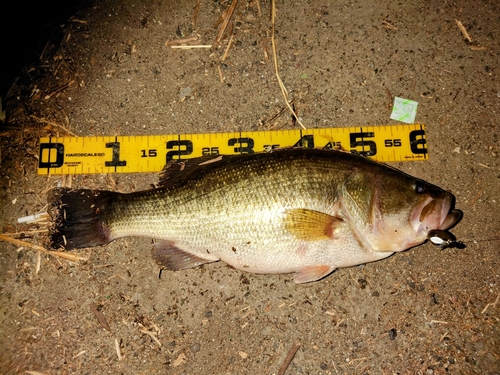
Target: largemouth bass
(302,211)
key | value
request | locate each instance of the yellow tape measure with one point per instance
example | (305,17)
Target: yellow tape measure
(150,153)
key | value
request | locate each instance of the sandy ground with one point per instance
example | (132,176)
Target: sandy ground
(424,311)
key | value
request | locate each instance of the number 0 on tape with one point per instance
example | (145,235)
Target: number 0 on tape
(150,153)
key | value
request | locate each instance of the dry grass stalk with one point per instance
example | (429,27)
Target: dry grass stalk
(152,335)
(193,46)
(220,74)
(388,25)
(67,256)
(464,32)
(79,354)
(178,42)
(25,233)
(282,86)
(270,122)
(226,52)
(44,121)
(289,358)
(225,22)
(42,216)
(180,360)
(492,304)
(258,7)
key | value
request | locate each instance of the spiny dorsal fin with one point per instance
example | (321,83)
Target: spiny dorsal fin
(310,225)
(176,171)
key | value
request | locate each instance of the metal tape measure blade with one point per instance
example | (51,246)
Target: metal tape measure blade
(150,153)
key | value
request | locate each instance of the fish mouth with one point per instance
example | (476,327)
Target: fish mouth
(435,213)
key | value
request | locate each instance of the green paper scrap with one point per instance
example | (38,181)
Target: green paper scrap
(404,110)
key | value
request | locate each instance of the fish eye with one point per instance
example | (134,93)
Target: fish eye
(419,187)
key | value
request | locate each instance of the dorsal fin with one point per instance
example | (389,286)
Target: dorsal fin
(176,171)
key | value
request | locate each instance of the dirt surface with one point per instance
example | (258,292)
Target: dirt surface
(424,311)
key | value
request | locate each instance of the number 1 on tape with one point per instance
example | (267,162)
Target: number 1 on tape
(150,153)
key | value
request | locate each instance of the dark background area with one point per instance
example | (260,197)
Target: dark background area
(26,28)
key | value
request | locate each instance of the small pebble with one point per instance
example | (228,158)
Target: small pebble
(185,92)
(392,334)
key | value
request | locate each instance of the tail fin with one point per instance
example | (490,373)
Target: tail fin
(78,217)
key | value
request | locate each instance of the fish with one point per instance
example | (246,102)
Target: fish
(299,210)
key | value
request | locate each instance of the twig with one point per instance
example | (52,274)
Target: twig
(389,96)
(59,89)
(118,351)
(76,20)
(38,262)
(464,32)
(59,254)
(289,356)
(195,13)
(282,86)
(223,27)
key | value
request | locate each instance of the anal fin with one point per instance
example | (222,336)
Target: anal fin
(166,254)
(312,273)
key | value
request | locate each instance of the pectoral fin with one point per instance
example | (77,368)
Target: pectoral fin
(166,254)
(310,225)
(312,273)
